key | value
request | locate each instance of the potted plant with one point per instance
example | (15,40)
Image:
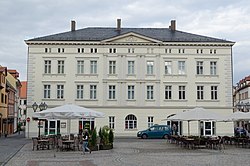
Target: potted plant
(93,140)
(107,138)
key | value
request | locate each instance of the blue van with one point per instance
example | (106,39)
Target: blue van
(155,131)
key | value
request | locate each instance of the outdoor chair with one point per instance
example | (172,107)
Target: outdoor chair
(60,144)
(36,144)
(76,144)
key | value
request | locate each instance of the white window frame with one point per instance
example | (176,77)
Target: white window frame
(112,91)
(47,66)
(168,67)
(150,67)
(200,92)
(150,121)
(46,91)
(199,67)
(131,92)
(131,67)
(214,92)
(79,91)
(60,66)
(60,92)
(182,92)
(213,68)
(112,67)
(80,67)
(181,68)
(93,92)
(112,122)
(150,92)
(93,67)
(130,122)
(168,92)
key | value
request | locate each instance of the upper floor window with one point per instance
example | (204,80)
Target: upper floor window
(131,50)
(150,92)
(182,92)
(93,50)
(47,66)
(111,91)
(93,67)
(199,67)
(60,91)
(181,67)
(168,50)
(131,67)
(112,50)
(59,50)
(60,66)
(80,50)
(214,92)
(168,92)
(46,91)
(181,51)
(79,91)
(200,92)
(93,91)
(168,67)
(131,92)
(112,67)
(80,67)
(212,51)
(213,68)
(199,51)
(47,50)
(150,67)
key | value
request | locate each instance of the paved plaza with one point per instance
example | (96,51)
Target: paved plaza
(134,152)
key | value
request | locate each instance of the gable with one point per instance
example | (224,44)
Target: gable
(131,38)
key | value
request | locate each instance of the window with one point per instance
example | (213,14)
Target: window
(112,50)
(131,92)
(199,51)
(60,91)
(181,67)
(80,67)
(168,92)
(168,50)
(60,50)
(213,68)
(2,98)
(130,122)
(111,91)
(168,67)
(112,122)
(182,93)
(46,91)
(93,50)
(212,51)
(46,50)
(60,67)
(93,92)
(200,92)
(93,67)
(150,121)
(150,67)
(131,67)
(80,50)
(181,51)
(79,91)
(150,92)
(112,67)
(199,67)
(131,50)
(47,66)
(214,92)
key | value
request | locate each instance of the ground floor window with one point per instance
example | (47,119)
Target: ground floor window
(86,123)
(111,122)
(52,127)
(176,127)
(150,121)
(131,122)
(207,128)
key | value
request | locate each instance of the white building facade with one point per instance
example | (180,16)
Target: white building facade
(136,76)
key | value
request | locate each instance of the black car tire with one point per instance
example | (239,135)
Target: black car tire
(144,136)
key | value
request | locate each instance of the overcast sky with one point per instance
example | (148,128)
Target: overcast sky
(26,19)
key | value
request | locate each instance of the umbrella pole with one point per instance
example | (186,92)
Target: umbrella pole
(188,129)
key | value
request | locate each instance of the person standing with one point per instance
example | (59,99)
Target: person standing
(85,140)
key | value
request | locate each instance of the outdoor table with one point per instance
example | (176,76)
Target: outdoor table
(44,143)
(68,144)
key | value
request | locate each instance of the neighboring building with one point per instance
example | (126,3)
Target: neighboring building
(242,100)
(23,103)
(3,99)
(136,76)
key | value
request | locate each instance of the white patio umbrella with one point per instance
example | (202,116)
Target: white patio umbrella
(68,111)
(196,114)
(239,116)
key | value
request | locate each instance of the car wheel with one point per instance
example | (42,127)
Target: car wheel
(165,136)
(144,136)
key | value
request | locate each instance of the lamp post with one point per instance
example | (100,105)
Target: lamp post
(42,106)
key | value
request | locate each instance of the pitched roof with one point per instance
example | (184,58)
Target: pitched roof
(102,33)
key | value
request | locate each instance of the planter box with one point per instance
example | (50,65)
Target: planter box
(105,147)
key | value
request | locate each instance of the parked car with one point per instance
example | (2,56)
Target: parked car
(156,131)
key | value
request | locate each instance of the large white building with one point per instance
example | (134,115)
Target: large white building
(136,76)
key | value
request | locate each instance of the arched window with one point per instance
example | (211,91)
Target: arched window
(130,122)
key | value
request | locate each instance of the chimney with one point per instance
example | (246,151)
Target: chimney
(118,24)
(73,25)
(172,27)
